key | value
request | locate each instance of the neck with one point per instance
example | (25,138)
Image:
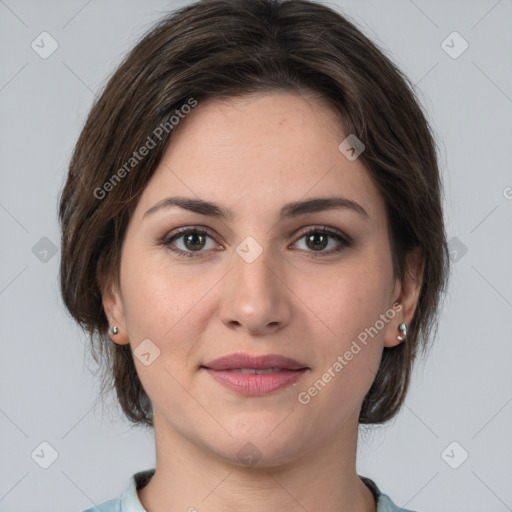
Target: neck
(191,478)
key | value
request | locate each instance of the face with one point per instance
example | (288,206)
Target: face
(266,271)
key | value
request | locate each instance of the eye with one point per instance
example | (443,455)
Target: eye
(318,239)
(191,241)
(188,240)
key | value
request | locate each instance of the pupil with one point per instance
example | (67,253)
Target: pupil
(191,241)
(315,245)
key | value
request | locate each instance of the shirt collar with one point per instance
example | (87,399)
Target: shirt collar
(130,500)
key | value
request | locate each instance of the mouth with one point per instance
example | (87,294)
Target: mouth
(254,371)
(242,361)
(255,375)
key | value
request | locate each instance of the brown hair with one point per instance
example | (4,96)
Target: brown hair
(223,49)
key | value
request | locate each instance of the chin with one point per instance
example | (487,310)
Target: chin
(259,450)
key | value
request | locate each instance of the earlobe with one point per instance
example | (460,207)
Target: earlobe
(113,307)
(406,293)
(396,330)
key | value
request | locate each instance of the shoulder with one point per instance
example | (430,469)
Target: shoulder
(129,500)
(384,502)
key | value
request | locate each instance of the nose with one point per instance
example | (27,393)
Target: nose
(255,297)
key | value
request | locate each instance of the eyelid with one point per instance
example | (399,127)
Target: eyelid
(186,229)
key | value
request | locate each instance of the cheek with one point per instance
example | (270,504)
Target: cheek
(162,305)
(349,308)
(349,300)
(349,359)
(158,295)
(158,303)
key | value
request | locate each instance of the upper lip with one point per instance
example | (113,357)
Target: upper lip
(235,361)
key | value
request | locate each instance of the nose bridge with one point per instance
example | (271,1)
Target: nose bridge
(254,298)
(253,269)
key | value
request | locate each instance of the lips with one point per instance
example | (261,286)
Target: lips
(255,375)
(246,361)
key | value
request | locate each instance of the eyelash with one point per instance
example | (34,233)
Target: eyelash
(344,241)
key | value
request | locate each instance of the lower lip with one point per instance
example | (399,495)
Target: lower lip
(253,384)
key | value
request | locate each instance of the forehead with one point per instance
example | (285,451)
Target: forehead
(260,151)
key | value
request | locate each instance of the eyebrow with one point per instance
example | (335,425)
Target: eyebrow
(290,210)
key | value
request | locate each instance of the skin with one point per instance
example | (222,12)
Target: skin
(254,154)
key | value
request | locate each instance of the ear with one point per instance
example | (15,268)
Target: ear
(114,310)
(406,294)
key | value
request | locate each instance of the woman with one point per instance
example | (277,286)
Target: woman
(252,234)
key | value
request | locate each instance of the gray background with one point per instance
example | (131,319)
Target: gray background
(461,393)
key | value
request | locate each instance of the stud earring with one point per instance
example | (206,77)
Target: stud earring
(114,330)
(403,329)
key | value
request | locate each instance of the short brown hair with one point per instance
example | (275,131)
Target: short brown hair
(223,49)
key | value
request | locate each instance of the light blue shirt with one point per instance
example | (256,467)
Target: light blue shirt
(129,501)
